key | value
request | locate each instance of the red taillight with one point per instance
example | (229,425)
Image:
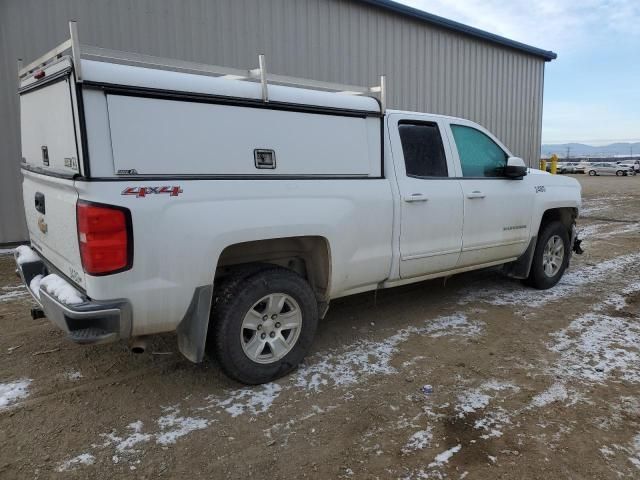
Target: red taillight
(39,74)
(104,233)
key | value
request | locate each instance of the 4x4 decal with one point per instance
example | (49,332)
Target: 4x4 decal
(141,192)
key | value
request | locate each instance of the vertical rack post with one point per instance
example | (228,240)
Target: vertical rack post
(383,93)
(75,49)
(262,65)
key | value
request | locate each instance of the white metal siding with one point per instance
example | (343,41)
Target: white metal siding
(429,69)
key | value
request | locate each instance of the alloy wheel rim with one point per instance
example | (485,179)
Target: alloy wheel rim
(553,256)
(271,328)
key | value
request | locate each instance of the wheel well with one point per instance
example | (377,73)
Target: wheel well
(308,256)
(566,215)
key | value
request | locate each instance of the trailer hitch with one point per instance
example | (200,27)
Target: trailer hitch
(577,246)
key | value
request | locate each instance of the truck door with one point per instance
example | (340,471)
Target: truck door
(431,206)
(497,209)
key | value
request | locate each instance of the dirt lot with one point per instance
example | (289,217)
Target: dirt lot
(525,384)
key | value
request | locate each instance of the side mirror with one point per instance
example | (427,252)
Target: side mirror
(515,168)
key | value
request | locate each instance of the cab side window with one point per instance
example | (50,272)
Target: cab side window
(479,155)
(423,151)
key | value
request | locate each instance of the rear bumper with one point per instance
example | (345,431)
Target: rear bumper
(84,320)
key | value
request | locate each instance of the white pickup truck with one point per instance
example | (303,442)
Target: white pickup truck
(231,208)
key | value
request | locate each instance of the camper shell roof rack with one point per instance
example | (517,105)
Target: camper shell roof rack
(258,74)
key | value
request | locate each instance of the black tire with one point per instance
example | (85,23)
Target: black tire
(592,173)
(234,299)
(619,173)
(537,277)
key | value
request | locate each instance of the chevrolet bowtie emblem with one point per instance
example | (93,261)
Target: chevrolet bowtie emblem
(42,225)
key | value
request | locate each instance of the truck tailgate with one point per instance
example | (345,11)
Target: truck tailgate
(50,208)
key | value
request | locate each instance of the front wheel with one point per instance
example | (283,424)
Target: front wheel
(619,173)
(592,173)
(551,256)
(263,324)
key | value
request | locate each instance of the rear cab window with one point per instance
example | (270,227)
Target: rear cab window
(422,148)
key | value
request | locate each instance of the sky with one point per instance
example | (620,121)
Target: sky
(592,90)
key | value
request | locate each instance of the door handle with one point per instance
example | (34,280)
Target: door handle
(415,197)
(476,194)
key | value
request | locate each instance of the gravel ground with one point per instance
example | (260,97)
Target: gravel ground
(521,383)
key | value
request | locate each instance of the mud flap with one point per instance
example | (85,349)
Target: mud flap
(521,267)
(192,330)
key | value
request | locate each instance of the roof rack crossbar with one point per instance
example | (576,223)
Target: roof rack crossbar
(87,52)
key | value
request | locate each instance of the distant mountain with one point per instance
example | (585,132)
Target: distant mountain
(582,150)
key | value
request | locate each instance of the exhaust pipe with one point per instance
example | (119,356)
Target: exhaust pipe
(138,344)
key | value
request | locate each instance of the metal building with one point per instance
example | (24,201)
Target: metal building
(432,64)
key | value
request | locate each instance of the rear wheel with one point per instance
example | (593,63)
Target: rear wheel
(263,325)
(592,173)
(619,173)
(551,256)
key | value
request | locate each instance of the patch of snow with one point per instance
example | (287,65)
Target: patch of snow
(587,232)
(595,346)
(248,400)
(6,251)
(478,398)
(26,255)
(413,361)
(623,230)
(11,293)
(591,205)
(615,300)
(174,426)
(601,231)
(73,375)
(34,285)
(555,393)
(11,392)
(445,456)
(606,451)
(633,450)
(59,288)
(505,292)
(492,423)
(82,459)
(471,401)
(124,445)
(419,440)
(492,420)
(618,412)
(633,287)
(367,357)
